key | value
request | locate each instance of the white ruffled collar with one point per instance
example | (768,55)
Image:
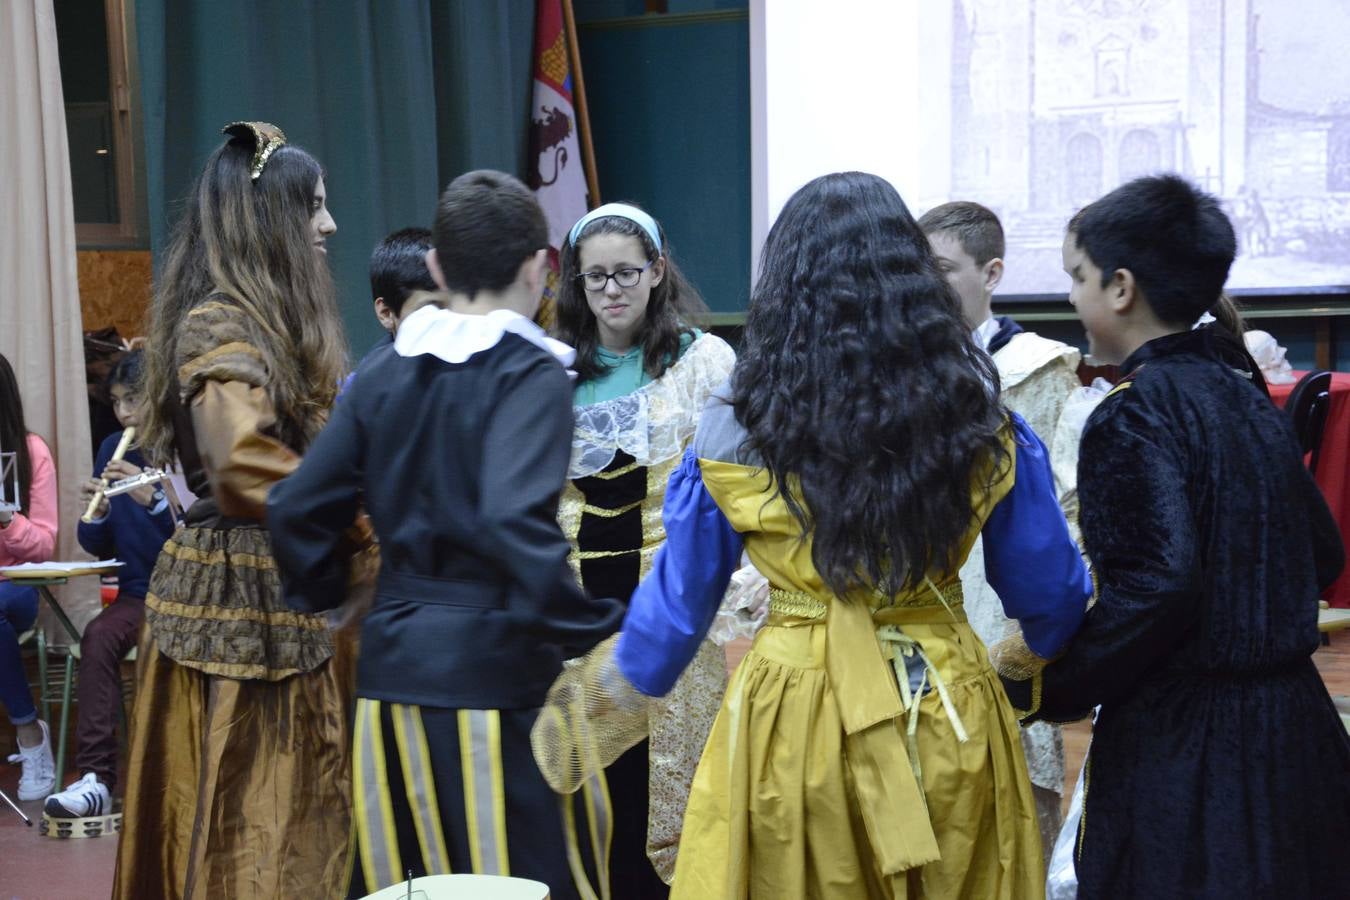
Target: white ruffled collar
(454,337)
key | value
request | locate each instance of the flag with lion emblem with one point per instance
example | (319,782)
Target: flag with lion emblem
(557,174)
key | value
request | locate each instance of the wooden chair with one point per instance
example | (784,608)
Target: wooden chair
(1308,405)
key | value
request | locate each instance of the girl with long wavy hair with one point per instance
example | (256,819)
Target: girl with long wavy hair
(238,779)
(28,526)
(865,746)
(644,373)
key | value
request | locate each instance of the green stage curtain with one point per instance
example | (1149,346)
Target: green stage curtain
(394,98)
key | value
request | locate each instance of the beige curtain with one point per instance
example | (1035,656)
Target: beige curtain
(40,328)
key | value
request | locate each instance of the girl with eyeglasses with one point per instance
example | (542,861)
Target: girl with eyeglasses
(644,375)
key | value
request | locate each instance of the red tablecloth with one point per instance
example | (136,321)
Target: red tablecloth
(1333,467)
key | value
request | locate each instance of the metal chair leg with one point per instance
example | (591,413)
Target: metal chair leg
(42,676)
(65,719)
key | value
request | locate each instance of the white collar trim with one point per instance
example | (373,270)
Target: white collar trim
(454,337)
(985,332)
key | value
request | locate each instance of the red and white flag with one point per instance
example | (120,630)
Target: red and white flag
(557,174)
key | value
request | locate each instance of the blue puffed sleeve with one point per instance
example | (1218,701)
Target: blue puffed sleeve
(673,608)
(1029,558)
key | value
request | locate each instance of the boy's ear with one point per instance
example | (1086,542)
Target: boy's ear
(534,270)
(388,318)
(434,267)
(1123,292)
(993,274)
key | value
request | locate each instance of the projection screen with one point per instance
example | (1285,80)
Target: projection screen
(1036,107)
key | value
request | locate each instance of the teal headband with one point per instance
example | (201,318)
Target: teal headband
(622,211)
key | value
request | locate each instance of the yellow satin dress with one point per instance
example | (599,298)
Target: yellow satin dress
(826,775)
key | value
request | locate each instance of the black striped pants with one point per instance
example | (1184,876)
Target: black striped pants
(440,791)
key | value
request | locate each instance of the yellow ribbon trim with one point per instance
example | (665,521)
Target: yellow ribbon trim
(796,604)
(606,513)
(617,473)
(218,558)
(605,554)
(277,619)
(239,671)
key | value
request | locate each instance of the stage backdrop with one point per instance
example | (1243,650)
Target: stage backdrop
(40,303)
(393,98)
(670,110)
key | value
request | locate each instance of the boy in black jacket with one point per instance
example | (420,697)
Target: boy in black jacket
(1218,767)
(457,444)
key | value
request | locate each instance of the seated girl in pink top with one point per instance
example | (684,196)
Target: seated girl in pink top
(28,535)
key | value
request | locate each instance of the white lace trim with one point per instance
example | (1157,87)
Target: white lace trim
(653,423)
(454,337)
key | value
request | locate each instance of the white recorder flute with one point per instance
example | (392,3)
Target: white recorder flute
(122,447)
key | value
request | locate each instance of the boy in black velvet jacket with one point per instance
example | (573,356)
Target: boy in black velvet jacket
(1218,767)
(457,443)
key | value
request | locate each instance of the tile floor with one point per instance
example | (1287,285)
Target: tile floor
(33,867)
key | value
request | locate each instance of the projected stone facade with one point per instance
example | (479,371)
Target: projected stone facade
(1054,102)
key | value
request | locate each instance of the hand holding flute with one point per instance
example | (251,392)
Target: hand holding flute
(93,489)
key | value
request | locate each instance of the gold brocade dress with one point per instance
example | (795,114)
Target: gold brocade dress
(624,450)
(823,777)
(238,780)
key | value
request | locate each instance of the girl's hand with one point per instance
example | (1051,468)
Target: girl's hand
(119,469)
(88,488)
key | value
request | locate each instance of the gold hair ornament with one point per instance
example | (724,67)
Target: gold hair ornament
(266,138)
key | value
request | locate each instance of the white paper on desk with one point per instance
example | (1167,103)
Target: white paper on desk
(59,568)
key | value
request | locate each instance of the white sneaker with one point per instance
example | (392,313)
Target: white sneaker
(38,778)
(86,797)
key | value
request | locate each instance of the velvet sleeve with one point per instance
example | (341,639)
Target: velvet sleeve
(1140,533)
(1030,560)
(31,537)
(309,513)
(673,607)
(527,444)
(1327,546)
(243,462)
(223,380)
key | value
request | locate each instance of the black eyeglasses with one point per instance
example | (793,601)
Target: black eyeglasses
(624,278)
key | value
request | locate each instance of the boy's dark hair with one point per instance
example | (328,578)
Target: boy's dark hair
(487,224)
(976,228)
(398,267)
(1173,237)
(127,370)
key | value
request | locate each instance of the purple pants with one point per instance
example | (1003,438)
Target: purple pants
(107,639)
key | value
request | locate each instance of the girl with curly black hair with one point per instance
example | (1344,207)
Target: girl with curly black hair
(865,747)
